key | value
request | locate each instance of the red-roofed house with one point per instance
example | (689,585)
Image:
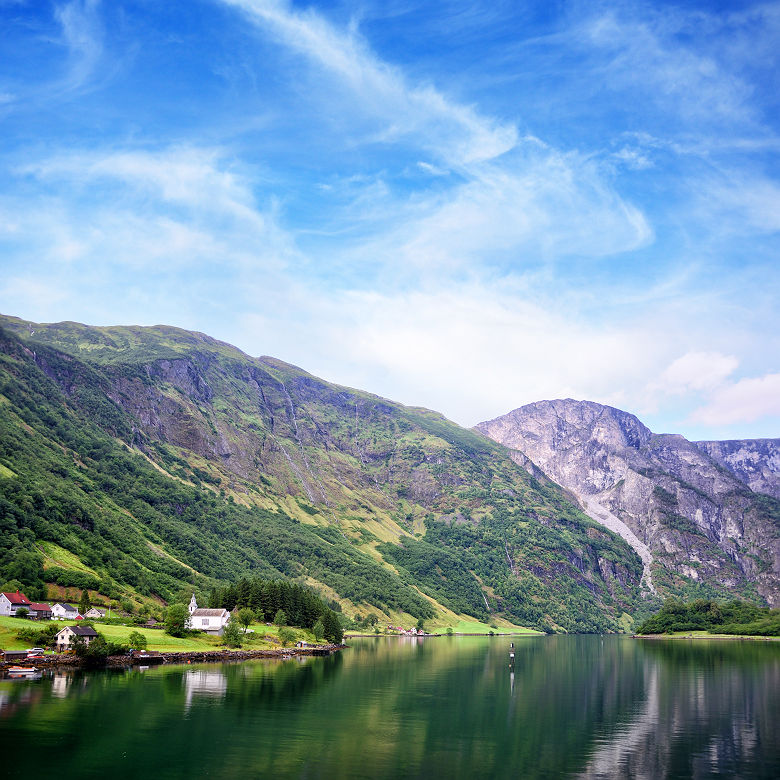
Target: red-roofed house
(10,602)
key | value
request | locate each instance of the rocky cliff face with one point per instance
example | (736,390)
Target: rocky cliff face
(695,516)
(754,461)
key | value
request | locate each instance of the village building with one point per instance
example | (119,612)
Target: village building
(11,602)
(94,612)
(62,611)
(211,620)
(40,611)
(64,639)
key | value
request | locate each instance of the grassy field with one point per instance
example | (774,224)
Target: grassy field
(262,636)
(8,628)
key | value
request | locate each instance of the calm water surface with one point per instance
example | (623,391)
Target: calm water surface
(389,707)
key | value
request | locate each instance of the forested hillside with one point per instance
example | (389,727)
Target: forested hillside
(139,461)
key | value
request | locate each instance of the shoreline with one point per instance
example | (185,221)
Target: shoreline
(716,637)
(183,658)
(350,635)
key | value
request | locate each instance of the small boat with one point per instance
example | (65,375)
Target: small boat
(24,672)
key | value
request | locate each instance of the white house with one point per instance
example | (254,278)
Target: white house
(64,638)
(64,612)
(211,620)
(10,602)
(94,612)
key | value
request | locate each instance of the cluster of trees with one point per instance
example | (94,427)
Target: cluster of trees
(726,617)
(440,574)
(284,603)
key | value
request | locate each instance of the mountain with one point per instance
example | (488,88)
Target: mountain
(143,462)
(692,511)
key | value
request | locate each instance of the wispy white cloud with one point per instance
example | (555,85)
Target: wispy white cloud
(697,371)
(82,36)
(542,207)
(744,401)
(457,134)
(646,49)
(473,349)
(183,205)
(193,177)
(739,201)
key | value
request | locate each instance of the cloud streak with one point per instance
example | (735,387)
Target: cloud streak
(82,36)
(458,135)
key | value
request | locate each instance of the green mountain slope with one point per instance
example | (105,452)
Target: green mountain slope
(157,458)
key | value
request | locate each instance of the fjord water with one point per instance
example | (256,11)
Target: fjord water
(572,706)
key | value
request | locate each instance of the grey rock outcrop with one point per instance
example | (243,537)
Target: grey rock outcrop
(755,461)
(697,520)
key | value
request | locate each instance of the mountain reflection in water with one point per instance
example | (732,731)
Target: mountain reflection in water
(568,706)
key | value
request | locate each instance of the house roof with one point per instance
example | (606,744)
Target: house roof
(202,612)
(66,607)
(80,630)
(36,607)
(17,598)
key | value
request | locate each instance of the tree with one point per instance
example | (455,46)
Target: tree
(97,651)
(231,636)
(176,619)
(22,612)
(286,635)
(280,618)
(333,631)
(137,640)
(420,626)
(84,604)
(318,629)
(245,616)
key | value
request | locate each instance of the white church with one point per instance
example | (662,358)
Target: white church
(211,620)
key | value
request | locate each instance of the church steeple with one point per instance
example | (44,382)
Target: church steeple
(193,604)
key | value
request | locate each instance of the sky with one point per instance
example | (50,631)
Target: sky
(467,206)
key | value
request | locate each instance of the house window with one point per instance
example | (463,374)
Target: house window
(205,621)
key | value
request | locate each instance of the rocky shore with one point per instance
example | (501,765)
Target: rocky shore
(155,658)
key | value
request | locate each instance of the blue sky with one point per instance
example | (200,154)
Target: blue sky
(462,205)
